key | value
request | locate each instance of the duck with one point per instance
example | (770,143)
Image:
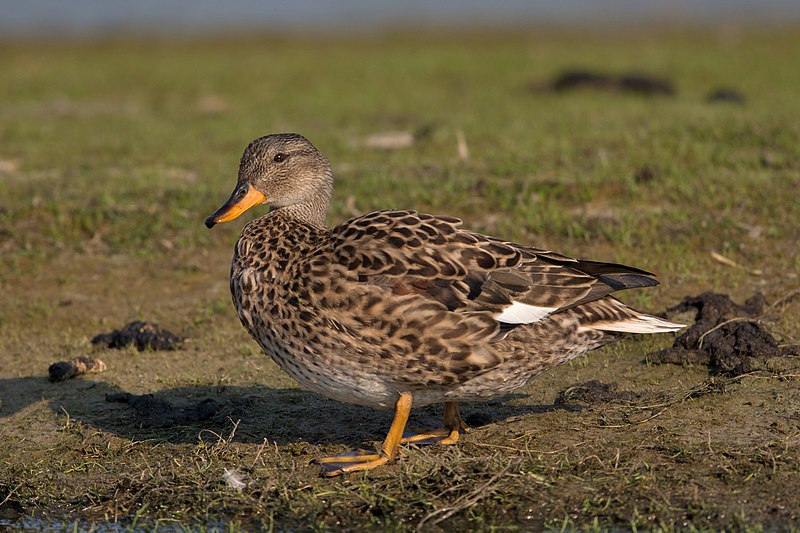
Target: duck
(397,309)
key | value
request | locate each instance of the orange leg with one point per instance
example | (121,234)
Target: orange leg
(448,434)
(362,460)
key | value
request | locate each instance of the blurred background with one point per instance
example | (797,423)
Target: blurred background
(598,127)
(92,17)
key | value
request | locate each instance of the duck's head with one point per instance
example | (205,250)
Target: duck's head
(282,170)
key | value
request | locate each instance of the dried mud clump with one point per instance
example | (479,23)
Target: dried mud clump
(594,392)
(141,334)
(725,336)
(64,370)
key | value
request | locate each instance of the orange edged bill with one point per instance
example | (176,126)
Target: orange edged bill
(243,198)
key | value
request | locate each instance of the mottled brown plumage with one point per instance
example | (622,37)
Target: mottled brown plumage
(395,307)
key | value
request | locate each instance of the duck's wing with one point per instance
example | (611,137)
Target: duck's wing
(432,300)
(468,272)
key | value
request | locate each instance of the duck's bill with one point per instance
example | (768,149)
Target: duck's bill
(243,198)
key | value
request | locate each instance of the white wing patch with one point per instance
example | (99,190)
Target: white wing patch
(639,324)
(520,313)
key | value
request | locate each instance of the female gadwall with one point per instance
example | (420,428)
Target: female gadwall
(398,307)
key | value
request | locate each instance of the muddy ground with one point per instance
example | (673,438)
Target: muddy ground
(612,439)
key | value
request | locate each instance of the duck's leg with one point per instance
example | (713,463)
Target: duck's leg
(363,460)
(449,434)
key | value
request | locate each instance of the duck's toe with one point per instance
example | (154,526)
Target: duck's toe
(434,436)
(351,462)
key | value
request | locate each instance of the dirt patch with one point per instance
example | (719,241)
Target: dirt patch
(594,392)
(630,82)
(141,334)
(729,338)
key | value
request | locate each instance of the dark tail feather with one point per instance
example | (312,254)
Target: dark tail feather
(620,282)
(618,277)
(597,268)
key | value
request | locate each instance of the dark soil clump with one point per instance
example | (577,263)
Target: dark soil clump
(478,419)
(583,79)
(142,334)
(645,174)
(639,83)
(725,336)
(631,82)
(594,392)
(725,95)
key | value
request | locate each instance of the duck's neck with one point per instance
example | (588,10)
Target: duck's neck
(314,209)
(313,212)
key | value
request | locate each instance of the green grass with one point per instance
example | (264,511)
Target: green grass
(113,152)
(111,134)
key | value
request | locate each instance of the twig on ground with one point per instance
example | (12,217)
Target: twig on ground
(465,501)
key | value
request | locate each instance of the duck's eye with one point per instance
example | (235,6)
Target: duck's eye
(279,158)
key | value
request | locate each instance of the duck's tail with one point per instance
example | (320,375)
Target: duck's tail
(611,315)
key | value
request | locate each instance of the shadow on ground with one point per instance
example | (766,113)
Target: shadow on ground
(184,414)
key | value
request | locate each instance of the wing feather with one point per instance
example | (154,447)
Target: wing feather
(468,272)
(438,297)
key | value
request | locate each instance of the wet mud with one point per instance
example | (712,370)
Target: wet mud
(729,338)
(594,392)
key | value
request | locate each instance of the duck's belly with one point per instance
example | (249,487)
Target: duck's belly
(356,386)
(340,375)
(334,360)
(352,383)
(344,383)
(319,366)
